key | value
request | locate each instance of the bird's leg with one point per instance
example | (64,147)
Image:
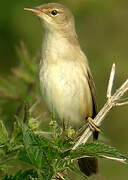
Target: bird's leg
(93,125)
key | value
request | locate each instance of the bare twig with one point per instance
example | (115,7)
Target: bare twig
(111,79)
(111,102)
(123,160)
(122,104)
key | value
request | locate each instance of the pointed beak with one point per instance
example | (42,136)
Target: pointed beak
(33,10)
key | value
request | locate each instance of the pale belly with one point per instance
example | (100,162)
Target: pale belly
(67,94)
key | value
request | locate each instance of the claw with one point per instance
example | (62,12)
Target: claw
(93,126)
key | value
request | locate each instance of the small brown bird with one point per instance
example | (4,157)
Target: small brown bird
(65,78)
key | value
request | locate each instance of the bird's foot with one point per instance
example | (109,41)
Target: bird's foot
(93,125)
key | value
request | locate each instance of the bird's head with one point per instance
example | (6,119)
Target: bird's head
(54,16)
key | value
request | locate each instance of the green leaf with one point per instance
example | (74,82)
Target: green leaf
(61,164)
(3,134)
(17,136)
(26,175)
(32,146)
(23,156)
(99,150)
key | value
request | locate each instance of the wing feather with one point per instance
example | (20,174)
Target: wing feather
(93,93)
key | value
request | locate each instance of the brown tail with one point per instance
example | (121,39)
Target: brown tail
(88,166)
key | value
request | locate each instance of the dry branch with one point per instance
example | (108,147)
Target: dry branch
(112,101)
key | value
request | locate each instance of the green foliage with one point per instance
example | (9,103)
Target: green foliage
(20,86)
(97,149)
(44,156)
(27,175)
(4,134)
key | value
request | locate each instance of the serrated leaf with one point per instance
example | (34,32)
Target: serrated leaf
(32,147)
(16,137)
(23,156)
(99,150)
(61,164)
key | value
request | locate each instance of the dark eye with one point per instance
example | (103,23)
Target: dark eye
(54,12)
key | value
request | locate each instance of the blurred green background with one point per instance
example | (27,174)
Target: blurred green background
(102,27)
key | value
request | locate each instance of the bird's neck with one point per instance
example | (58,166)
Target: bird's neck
(56,44)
